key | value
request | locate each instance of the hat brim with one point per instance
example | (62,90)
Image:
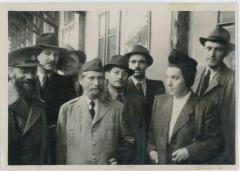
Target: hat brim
(51,47)
(110,66)
(29,65)
(231,46)
(149,57)
(31,49)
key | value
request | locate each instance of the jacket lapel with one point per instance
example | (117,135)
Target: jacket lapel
(83,109)
(197,83)
(148,88)
(184,115)
(166,111)
(35,112)
(103,108)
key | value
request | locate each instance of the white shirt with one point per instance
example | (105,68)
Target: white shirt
(176,110)
(90,106)
(143,83)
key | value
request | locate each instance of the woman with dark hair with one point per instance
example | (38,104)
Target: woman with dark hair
(184,129)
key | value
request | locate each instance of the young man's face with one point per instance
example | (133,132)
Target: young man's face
(117,77)
(72,65)
(138,63)
(214,53)
(25,80)
(92,83)
(48,59)
(175,81)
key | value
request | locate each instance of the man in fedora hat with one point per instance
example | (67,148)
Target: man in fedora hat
(91,128)
(27,128)
(216,82)
(139,60)
(117,73)
(54,89)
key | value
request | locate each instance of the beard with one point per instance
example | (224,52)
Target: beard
(26,89)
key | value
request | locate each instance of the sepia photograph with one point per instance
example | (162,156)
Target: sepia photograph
(120,86)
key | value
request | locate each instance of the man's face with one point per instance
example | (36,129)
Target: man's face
(48,59)
(72,65)
(25,80)
(214,53)
(175,81)
(92,83)
(117,77)
(138,63)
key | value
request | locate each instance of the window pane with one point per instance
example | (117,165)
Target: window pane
(137,28)
(113,22)
(112,46)
(101,48)
(226,16)
(102,25)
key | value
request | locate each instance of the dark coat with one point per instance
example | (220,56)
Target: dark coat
(221,91)
(30,146)
(197,129)
(59,90)
(135,116)
(153,88)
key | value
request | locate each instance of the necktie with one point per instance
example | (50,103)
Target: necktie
(205,83)
(92,111)
(119,98)
(139,88)
(45,82)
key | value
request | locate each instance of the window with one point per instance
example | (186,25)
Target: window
(109,24)
(137,29)
(68,17)
(226,19)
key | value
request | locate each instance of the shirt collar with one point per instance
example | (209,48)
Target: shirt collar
(135,81)
(184,98)
(89,100)
(113,93)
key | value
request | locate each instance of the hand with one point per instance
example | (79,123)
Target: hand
(153,157)
(180,155)
(112,161)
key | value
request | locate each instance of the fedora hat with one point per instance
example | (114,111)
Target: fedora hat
(24,57)
(118,61)
(48,40)
(81,54)
(219,35)
(138,49)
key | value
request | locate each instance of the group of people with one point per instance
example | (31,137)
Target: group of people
(65,110)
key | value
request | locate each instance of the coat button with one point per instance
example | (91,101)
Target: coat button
(93,143)
(94,157)
(193,139)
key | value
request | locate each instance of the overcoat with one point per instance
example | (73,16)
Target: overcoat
(29,145)
(221,91)
(81,140)
(197,129)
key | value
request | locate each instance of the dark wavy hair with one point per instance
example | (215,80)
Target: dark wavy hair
(186,64)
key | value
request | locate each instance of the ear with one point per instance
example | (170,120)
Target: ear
(107,75)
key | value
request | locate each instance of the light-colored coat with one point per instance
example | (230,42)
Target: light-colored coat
(81,140)
(221,91)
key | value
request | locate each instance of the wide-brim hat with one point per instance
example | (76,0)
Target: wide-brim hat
(24,57)
(219,35)
(119,61)
(81,54)
(48,40)
(138,49)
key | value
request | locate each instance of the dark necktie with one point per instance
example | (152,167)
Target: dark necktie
(92,111)
(119,98)
(139,88)
(45,82)
(205,83)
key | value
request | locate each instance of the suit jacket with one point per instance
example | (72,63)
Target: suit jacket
(81,140)
(153,88)
(30,146)
(221,91)
(59,90)
(197,129)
